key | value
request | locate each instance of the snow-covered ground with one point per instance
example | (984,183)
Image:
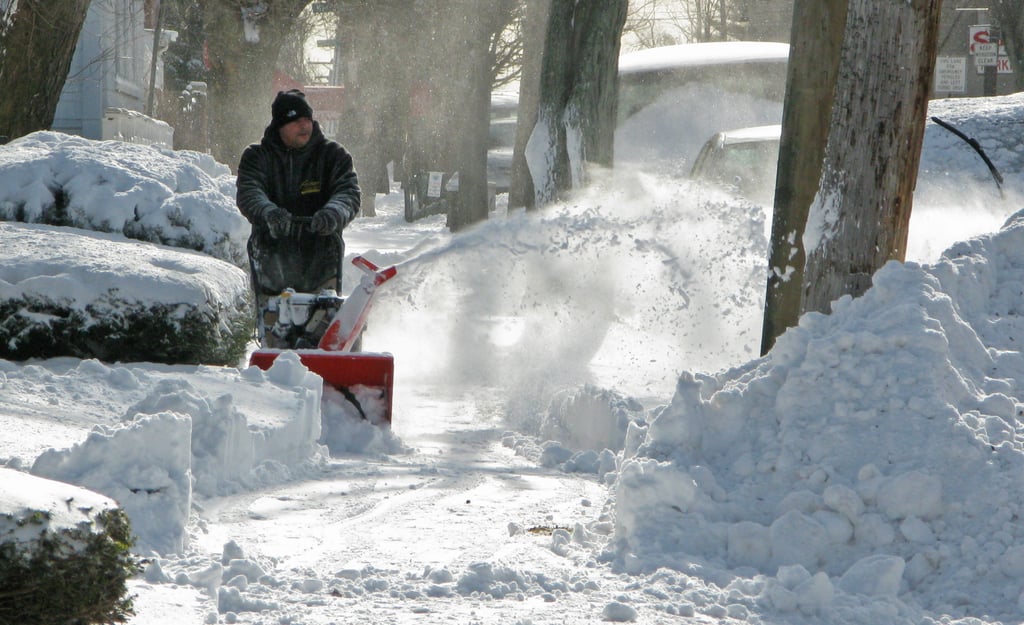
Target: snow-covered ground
(583,430)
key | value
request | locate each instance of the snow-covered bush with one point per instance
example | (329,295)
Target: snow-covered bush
(67,292)
(64,554)
(180,199)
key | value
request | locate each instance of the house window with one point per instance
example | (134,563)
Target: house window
(127,45)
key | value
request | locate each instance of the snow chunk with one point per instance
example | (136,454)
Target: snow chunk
(749,544)
(617,612)
(798,539)
(875,576)
(911,494)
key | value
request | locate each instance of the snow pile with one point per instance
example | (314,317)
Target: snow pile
(182,199)
(152,484)
(207,430)
(873,457)
(344,429)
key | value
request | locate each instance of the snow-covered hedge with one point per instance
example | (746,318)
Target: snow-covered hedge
(181,199)
(64,554)
(66,292)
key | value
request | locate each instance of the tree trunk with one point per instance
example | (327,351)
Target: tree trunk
(1008,16)
(813,63)
(578,95)
(243,44)
(859,219)
(377,89)
(37,43)
(535,25)
(474,61)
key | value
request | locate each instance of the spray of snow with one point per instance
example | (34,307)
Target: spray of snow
(573,285)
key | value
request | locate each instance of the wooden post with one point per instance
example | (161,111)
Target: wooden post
(817,36)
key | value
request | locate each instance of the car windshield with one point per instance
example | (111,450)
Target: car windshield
(748,167)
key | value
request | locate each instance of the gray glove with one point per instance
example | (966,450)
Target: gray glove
(279,222)
(325,221)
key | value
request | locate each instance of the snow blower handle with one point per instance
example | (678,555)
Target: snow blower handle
(297,221)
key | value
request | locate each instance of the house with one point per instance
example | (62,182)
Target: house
(107,93)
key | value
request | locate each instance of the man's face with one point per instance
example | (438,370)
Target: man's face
(296,134)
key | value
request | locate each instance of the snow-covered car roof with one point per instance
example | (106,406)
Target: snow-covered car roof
(709,53)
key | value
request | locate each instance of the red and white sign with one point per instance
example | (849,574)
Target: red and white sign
(979,36)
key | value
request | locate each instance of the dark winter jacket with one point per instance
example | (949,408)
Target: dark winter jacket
(318,175)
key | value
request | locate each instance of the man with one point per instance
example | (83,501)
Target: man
(299,190)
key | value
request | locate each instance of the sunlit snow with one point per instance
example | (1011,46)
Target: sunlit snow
(583,429)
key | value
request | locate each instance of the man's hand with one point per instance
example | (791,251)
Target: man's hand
(279,222)
(325,221)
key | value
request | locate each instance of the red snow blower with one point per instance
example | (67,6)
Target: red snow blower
(334,325)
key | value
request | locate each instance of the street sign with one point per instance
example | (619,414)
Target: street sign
(950,74)
(1002,65)
(979,34)
(986,60)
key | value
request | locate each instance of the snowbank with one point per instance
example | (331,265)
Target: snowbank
(874,452)
(212,431)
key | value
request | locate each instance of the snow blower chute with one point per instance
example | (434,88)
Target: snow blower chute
(325,331)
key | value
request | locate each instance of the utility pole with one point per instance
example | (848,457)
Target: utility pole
(817,37)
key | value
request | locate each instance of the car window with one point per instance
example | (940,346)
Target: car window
(748,168)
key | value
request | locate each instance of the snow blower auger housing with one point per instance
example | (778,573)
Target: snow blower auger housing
(325,331)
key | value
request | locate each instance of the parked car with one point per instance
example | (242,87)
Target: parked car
(672,98)
(744,160)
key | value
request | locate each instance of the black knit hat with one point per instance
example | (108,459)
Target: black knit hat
(289,106)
